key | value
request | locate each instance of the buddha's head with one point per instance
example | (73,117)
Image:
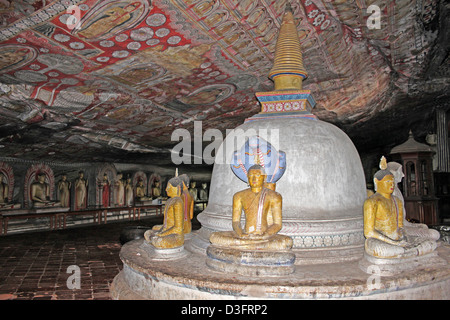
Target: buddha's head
(174,187)
(185,179)
(256,176)
(384,179)
(385,185)
(41,177)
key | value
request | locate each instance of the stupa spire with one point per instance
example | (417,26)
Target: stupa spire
(288,99)
(288,71)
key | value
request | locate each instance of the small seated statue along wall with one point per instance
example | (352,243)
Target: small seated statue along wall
(170,234)
(257,249)
(40,193)
(386,237)
(140,192)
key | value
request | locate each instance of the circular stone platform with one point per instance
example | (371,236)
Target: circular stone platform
(189,278)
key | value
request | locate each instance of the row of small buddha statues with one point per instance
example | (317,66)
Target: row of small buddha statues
(125,194)
(40,192)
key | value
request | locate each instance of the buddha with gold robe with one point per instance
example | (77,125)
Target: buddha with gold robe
(258,203)
(383,222)
(171,233)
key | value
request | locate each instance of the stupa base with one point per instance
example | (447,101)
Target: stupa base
(190,279)
(390,267)
(250,262)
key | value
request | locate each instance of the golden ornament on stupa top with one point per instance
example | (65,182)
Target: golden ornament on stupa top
(289,99)
(288,71)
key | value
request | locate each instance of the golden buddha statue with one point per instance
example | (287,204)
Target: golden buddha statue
(258,203)
(40,193)
(170,234)
(383,222)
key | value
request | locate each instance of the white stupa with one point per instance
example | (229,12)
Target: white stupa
(323,187)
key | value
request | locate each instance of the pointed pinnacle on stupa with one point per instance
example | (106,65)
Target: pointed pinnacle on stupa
(288,71)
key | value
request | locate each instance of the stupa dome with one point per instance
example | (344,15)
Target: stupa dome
(322,184)
(323,189)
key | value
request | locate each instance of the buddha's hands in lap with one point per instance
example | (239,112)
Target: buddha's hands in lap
(255,236)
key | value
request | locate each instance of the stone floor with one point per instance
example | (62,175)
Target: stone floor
(37,265)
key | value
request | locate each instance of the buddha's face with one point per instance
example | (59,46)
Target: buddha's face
(256,178)
(171,191)
(41,178)
(385,185)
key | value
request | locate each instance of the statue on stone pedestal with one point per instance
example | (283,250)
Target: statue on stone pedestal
(384,230)
(40,193)
(80,186)
(171,233)
(64,191)
(258,203)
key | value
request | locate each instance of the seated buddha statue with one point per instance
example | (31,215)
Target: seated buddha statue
(383,222)
(40,193)
(170,234)
(260,231)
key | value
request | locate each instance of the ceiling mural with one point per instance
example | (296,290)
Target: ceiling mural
(83,79)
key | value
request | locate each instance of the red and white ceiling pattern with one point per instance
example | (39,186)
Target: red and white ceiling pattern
(125,74)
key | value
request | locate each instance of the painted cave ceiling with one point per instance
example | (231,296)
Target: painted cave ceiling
(111,80)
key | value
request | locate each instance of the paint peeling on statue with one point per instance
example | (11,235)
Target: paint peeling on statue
(257,151)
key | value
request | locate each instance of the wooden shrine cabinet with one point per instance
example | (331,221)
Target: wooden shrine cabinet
(417,186)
